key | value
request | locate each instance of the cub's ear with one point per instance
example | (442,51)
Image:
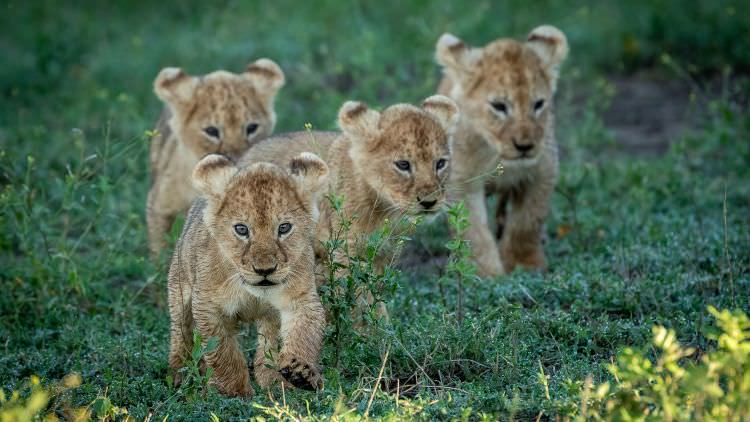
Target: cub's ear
(310,173)
(266,76)
(174,86)
(212,174)
(550,44)
(356,119)
(457,58)
(443,108)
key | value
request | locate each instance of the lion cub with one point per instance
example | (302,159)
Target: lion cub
(505,140)
(385,164)
(246,255)
(220,112)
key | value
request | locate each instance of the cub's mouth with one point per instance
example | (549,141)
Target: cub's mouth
(265,283)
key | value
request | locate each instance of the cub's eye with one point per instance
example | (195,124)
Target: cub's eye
(499,106)
(241,230)
(440,164)
(212,131)
(403,165)
(251,128)
(538,104)
(284,228)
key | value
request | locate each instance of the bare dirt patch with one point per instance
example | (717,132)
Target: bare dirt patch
(647,113)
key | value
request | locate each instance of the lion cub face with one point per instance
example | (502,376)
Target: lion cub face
(261,216)
(221,112)
(404,152)
(505,89)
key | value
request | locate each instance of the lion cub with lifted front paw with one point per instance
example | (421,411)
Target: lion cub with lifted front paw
(246,255)
(221,112)
(505,91)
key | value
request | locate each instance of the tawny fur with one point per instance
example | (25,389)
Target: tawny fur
(488,154)
(362,161)
(239,106)
(216,279)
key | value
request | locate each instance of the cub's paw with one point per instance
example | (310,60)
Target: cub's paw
(244,390)
(301,374)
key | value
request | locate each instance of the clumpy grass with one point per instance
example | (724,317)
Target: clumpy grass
(632,242)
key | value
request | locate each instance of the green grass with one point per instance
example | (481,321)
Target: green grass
(651,241)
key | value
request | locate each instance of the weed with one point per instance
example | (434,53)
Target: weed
(357,283)
(679,384)
(194,375)
(460,268)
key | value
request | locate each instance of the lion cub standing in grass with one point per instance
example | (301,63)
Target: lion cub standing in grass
(246,254)
(505,140)
(385,165)
(220,112)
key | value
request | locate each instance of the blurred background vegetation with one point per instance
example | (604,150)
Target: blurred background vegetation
(54,53)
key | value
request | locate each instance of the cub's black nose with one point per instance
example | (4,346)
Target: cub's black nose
(265,272)
(522,147)
(427,204)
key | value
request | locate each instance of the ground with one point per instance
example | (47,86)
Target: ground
(649,222)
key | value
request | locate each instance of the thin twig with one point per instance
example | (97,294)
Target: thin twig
(377,382)
(727,262)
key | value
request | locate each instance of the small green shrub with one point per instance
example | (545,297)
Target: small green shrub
(350,277)
(461,267)
(33,398)
(194,383)
(679,384)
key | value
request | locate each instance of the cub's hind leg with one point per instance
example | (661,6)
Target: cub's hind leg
(266,370)
(181,324)
(230,373)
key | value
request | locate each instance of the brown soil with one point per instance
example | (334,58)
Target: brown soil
(647,113)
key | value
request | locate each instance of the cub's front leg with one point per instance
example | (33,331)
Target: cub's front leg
(483,243)
(521,244)
(302,323)
(230,372)
(158,221)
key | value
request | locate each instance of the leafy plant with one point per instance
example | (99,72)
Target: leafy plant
(33,398)
(356,284)
(194,374)
(461,267)
(18,408)
(677,385)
